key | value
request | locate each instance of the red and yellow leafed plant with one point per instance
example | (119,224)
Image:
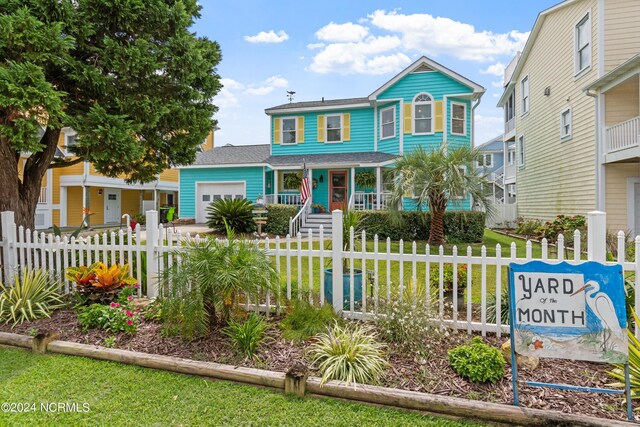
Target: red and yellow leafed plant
(100,279)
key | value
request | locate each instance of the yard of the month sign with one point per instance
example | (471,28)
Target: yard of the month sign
(566,311)
(569,311)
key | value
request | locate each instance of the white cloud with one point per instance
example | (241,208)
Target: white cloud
(487,127)
(266,87)
(347,32)
(313,46)
(367,57)
(438,35)
(497,84)
(226,98)
(496,69)
(268,37)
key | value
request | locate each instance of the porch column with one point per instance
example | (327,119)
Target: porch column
(353,184)
(275,186)
(378,187)
(310,172)
(84,200)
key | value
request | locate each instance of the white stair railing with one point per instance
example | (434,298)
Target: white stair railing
(300,219)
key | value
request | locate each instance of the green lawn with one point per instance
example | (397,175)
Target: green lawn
(402,278)
(121,395)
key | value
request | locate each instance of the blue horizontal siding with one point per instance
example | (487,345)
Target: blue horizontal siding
(252,175)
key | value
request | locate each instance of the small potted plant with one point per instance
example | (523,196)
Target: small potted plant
(317,208)
(447,282)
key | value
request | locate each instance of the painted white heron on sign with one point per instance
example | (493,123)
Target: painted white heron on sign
(602,306)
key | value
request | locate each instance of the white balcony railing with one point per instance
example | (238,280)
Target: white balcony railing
(43,196)
(368,201)
(623,135)
(284,199)
(510,125)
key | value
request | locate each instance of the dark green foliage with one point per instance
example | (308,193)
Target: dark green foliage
(247,336)
(305,320)
(460,226)
(365,179)
(562,224)
(278,218)
(236,213)
(504,307)
(112,318)
(477,361)
(132,78)
(528,228)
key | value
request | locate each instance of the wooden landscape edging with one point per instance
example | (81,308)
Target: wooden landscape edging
(435,404)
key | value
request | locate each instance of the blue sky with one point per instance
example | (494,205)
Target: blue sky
(344,49)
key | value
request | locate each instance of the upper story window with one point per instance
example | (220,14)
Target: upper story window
(334,128)
(458,118)
(485,160)
(422,114)
(289,130)
(388,122)
(511,157)
(70,140)
(524,86)
(509,110)
(583,44)
(566,124)
(521,151)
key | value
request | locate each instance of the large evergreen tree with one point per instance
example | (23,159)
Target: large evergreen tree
(127,75)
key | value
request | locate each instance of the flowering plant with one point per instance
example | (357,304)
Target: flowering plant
(114,318)
(447,277)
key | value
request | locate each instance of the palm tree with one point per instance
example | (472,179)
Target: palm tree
(436,178)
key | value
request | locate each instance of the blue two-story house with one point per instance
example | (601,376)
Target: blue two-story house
(345,144)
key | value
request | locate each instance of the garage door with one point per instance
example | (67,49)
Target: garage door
(210,191)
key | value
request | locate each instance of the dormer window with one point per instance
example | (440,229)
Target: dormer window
(422,114)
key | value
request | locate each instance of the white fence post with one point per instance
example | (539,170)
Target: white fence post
(597,236)
(152,262)
(9,250)
(336,248)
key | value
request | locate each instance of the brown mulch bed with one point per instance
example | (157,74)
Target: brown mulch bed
(431,375)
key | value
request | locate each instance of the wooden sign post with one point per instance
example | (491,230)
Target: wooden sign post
(260,218)
(566,311)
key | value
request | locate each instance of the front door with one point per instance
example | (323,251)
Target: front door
(338,191)
(112,205)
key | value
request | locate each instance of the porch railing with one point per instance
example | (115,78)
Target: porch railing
(623,135)
(369,201)
(43,195)
(509,125)
(284,199)
(300,219)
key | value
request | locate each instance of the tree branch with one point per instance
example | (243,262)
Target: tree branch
(65,163)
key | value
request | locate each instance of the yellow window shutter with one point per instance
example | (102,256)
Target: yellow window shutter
(300,130)
(320,128)
(408,117)
(438,116)
(276,131)
(346,127)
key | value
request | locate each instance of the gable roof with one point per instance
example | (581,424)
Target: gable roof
(419,64)
(487,146)
(233,155)
(529,44)
(361,158)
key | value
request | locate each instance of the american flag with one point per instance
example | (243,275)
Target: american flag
(305,191)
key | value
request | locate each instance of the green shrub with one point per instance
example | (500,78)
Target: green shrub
(447,277)
(32,296)
(113,318)
(236,213)
(528,228)
(305,320)
(477,361)
(247,336)
(459,226)
(278,218)
(504,307)
(562,224)
(348,353)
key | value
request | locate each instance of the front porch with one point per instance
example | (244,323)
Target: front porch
(338,181)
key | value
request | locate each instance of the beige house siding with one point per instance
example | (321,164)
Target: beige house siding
(559,175)
(616,188)
(622,31)
(622,102)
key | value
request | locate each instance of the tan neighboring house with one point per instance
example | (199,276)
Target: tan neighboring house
(67,192)
(571,103)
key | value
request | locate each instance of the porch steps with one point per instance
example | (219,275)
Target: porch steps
(314,221)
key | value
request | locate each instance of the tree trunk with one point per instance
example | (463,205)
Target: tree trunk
(21,194)
(437,206)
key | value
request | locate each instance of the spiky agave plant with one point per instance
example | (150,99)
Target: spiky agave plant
(32,296)
(348,353)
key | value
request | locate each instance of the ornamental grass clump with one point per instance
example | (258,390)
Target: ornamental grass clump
(247,336)
(478,361)
(32,296)
(348,353)
(305,320)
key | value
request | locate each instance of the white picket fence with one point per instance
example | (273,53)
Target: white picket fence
(301,261)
